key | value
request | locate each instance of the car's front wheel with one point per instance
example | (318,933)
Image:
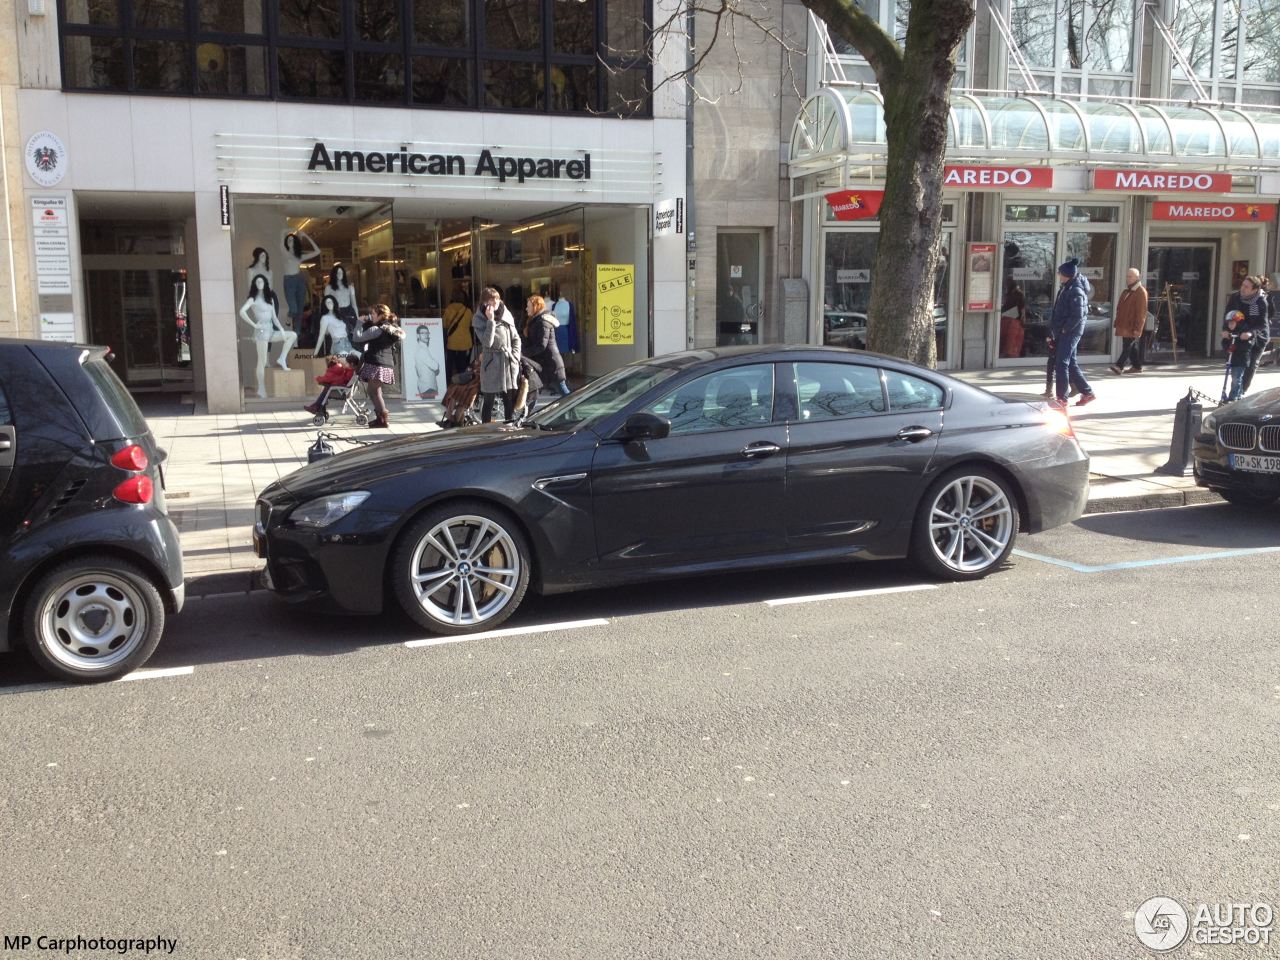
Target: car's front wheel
(95,618)
(460,567)
(965,525)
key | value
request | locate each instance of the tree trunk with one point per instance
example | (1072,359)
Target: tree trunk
(916,106)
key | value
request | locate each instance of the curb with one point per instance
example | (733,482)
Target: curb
(1151,501)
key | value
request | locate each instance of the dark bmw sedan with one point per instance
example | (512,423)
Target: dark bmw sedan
(691,463)
(1237,451)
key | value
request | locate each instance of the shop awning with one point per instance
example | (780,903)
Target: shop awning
(844,125)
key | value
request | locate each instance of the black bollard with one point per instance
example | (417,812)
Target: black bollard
(1186,424)
(319,450)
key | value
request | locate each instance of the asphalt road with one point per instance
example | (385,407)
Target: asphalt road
(999,769)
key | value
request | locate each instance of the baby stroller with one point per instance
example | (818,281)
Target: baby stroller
(354,397)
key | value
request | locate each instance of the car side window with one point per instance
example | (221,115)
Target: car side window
(724,400)
(825,391)
(6,417)
(911,393)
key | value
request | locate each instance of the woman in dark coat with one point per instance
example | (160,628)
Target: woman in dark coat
(380,335)
(540,344)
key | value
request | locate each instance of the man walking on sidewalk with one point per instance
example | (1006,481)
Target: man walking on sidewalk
(1066,326)
(1131,317)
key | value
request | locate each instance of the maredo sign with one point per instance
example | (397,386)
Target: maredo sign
(1249,212)
(1001,178)
(1150,181)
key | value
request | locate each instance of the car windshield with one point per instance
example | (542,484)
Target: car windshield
(601,399)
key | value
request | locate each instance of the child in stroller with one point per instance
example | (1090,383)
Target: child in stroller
(339,378)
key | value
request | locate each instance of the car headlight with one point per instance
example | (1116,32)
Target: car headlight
(325,510)
(1209,424)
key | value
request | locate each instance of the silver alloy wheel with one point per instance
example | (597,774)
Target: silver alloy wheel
(465,570)
(93,621)
(971,524)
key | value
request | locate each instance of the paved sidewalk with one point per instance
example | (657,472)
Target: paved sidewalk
(217,464)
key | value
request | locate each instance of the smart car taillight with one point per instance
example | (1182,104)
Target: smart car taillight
(132,458)
(134,490)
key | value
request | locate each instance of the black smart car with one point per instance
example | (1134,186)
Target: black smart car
(89,559)
(1237,451)
(699,462)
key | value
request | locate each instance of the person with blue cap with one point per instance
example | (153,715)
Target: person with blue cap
(1066,326)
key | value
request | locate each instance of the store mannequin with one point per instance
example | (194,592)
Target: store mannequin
(261,267)
(333,331)
(259,312)
(344,295)
(295,285)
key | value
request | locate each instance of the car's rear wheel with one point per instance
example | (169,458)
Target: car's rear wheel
(1240,498)
(966,525)
(95,618)
(461,567)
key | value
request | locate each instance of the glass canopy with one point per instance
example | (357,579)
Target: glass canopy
(840,125)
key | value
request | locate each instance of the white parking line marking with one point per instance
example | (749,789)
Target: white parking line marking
(1139,564)
(157,674)
(508,632)
(850,594)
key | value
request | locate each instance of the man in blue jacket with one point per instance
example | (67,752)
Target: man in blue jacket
(1066,326)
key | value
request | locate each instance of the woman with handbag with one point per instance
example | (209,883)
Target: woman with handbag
(540,344)
(498,347)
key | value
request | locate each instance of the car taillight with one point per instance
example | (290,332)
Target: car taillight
(1058,422)
(134,490)
(132,458)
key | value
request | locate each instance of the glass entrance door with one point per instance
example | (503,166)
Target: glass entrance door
(142,315)
(1180,284)
(739,290)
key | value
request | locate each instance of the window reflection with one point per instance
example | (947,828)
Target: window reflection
(442,23)
(377,21)
(513,86)
(512,24)
(231,16)
(158,14)
(160,66)
(441,81)
(99,13)
(320,19)
(315,74)
(94,63)
(574,26)
(379,77)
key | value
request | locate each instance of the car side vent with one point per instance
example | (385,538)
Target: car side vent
(1270,438)
(1238,436)
(67,495)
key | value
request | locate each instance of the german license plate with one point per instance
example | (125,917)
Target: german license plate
(1253,463)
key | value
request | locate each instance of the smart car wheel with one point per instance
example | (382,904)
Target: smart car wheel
(93,619)
(965,526)
(460,567)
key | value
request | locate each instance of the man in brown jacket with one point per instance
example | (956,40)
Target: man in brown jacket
(1131,317)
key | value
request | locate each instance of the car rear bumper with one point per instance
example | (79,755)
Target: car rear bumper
(1057,490)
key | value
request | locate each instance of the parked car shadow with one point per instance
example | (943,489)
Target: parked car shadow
(1213,525)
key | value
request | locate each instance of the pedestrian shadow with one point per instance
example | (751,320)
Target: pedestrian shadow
(1215,525)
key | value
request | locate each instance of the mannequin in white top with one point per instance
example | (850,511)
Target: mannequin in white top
(344,294)
(259,312)
(295,285)
(261,267)
(333,331)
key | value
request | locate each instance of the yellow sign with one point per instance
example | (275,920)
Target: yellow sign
(616,303)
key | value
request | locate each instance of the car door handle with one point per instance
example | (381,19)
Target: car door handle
(915,434)
(764,448)
(5,443)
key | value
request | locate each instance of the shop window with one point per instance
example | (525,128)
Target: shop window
(305,18)
(573,88)
(442,81)
(93,63)
(312,74)
(442,23)
(379,77)
(512,24)
(1261,42)
(95,13)
(513,85)
(160,66)
(158,14)
(231,16)
(1030,271)
(1093,214)
(1031,213)
(377,21)
(574,26)
(231,71)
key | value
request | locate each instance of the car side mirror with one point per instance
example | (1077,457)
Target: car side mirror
(643,426)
